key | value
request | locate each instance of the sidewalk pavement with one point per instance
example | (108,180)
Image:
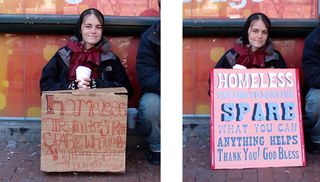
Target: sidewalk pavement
(196,163)
(20,159)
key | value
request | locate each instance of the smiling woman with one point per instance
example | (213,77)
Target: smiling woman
(91,30)
(90,49)
(254,49)
(258,34)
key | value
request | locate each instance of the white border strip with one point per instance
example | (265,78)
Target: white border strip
(19,119)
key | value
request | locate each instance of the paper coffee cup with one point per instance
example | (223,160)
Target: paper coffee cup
(83,72)
(239,66)
(132,117)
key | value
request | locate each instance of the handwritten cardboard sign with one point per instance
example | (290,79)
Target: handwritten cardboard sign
(255,118)
(84,130)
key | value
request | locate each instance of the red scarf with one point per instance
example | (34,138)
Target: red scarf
(250,59)
(81,57)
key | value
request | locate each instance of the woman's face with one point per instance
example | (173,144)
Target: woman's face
(257,34)
(91,30)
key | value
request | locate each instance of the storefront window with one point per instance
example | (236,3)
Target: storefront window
(108,7)
(282,9)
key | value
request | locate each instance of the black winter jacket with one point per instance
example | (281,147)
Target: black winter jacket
(55,72)
(148,60)
(311,60)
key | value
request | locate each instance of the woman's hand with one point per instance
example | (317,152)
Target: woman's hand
(84,84)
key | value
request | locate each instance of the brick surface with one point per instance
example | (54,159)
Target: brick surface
(196,161)
(250,175)
(295,174)
(235,174)
(219,176)
(20,161)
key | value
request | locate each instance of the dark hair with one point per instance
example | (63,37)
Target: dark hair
(86,12)
(247,24)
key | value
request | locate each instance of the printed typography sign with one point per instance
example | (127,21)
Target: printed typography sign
(255,118)
(84,130)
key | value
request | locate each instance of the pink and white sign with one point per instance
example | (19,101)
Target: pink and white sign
(256,118)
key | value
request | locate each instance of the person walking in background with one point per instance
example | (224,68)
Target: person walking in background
(148,71)
(311,73)
(254,49)
(90,49)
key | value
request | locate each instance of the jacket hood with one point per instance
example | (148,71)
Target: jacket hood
(154,37)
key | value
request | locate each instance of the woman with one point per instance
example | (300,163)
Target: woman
(90,49)
(254,49)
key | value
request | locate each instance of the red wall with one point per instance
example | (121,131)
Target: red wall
(201,53)
(24,55)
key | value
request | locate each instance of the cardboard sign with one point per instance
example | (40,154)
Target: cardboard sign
(84,130)
(255,118)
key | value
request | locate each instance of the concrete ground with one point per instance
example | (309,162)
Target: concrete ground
(20,158)
(196,163)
